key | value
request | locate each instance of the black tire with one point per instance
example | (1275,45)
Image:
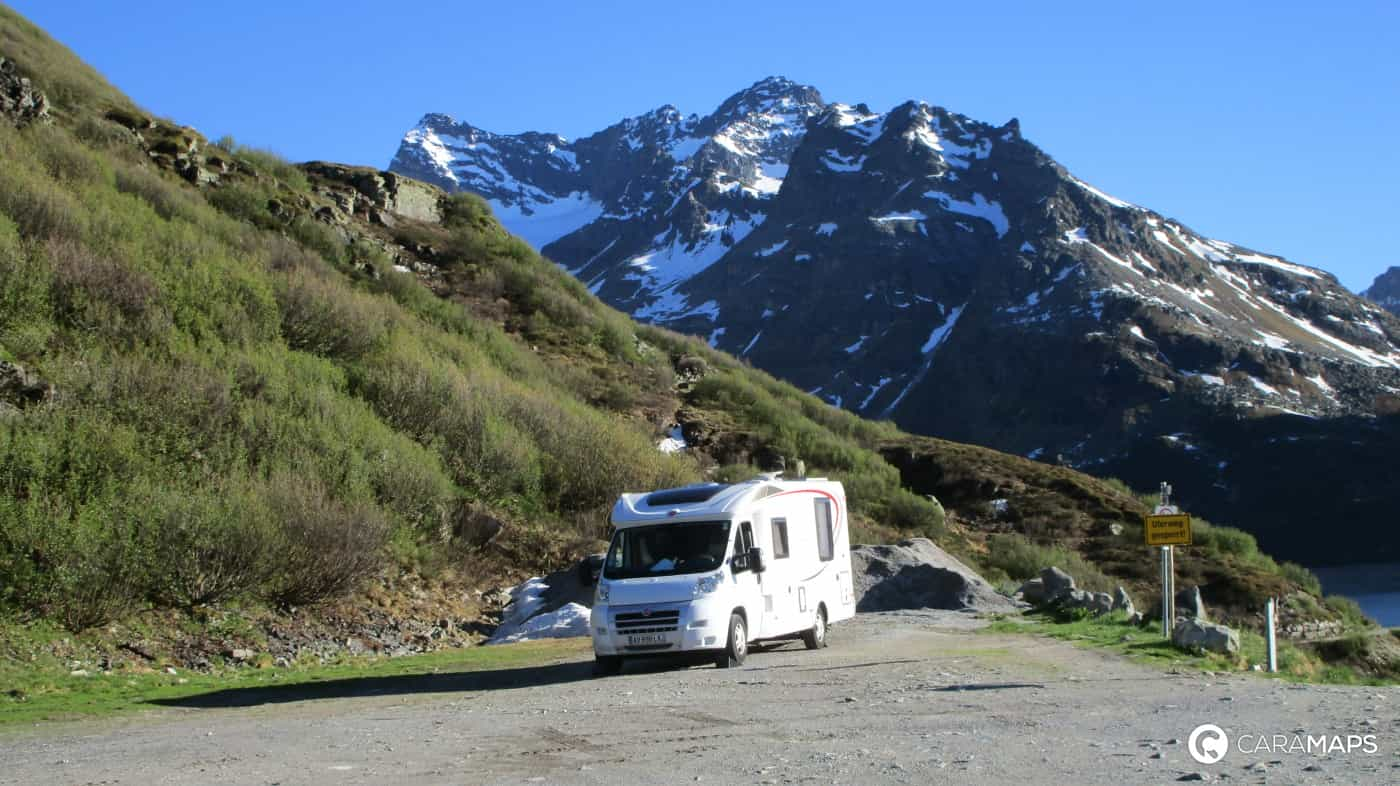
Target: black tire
(737,648)
(607,665)
(815,638)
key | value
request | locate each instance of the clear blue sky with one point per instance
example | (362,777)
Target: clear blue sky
(1270,124)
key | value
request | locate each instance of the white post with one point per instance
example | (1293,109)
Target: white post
(1166,592)
(1269,628)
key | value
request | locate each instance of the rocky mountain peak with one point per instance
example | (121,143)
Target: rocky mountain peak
(921,265)
(1385,290)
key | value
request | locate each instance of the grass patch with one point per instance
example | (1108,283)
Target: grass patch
(1112,632)
(32,697)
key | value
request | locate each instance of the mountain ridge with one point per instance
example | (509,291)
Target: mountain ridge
(792,233)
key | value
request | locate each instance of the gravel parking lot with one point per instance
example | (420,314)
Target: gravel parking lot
(900,697)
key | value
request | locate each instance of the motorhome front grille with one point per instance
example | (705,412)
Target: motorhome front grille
(659,621)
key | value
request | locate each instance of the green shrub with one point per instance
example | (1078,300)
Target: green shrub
(99,294)
(40,207)
(325,547)
(211,544)
(327,318)
(1021,558)
(1301,576)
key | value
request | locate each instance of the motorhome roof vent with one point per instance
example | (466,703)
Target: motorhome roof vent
(686,495)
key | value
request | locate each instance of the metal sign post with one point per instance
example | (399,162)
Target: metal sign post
(1269,609)
(1166,591)
(1167,527)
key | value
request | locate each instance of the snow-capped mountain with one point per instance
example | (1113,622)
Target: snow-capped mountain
(920,265)
(1385,290)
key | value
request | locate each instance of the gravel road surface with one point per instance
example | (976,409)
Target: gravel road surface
(900,697)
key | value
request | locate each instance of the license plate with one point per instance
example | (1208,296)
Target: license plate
(637,641)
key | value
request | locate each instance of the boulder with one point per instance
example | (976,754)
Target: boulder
(1122,602)
(1033,591)
(1197,634)
(916,574)
(1057,583)
(1189,604)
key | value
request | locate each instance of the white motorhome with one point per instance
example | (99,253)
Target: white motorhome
(707,569)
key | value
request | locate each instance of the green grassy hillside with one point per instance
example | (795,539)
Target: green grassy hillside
(267,383)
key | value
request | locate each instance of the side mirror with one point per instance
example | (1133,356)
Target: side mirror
(756,560)
(589,569)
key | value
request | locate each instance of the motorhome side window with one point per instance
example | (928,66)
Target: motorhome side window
(780,539)
(824,534)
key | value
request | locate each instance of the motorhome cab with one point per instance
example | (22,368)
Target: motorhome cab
(710,568)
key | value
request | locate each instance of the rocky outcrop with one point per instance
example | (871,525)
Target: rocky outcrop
(1199,635)
(20,388)
(1385,291)
(20,102)
(916,574)
(381,195)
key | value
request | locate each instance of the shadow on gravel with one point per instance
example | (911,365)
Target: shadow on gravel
(402,685)
(987,686)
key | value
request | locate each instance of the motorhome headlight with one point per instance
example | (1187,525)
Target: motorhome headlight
(706,584)
(604,591)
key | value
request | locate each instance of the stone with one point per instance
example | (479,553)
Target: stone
(1122,601)
(1033,591)
(19,101)
(21,388)
(1196,634)
(916,574)
(1189,604)
(1100,603)
(1057,583)
(242,655)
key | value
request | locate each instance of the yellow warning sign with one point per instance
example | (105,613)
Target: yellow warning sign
(1167,530)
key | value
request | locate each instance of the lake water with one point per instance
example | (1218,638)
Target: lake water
(1374,586)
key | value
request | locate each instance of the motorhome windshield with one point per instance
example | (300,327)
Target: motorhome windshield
(667,550)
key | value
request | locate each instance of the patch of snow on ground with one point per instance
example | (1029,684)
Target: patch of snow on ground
(1112,200)
(1263,387)
(873,391)
(674,442)
(826,228)
(752,341)
(1274,262)
(979,207)
(548,220)
(714,337)
(770,178)
(854,348)
(1027,248)
(912,215)
(1076,235)
(839,163)
(773,249)
(663,268)
(565,622)
(1271,341)
(1209,379)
